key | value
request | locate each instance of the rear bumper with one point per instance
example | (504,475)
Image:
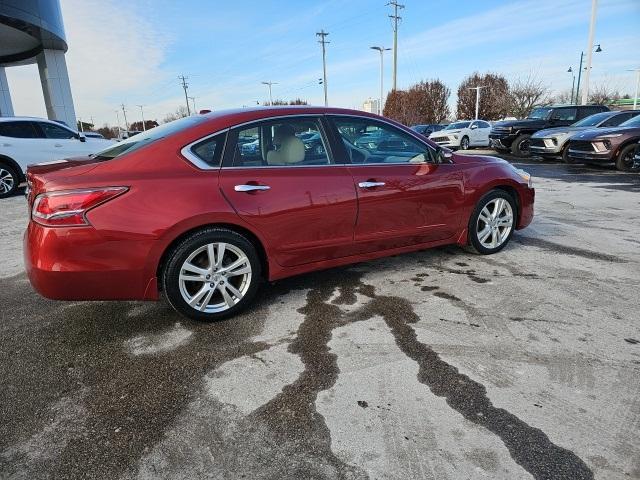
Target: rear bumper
(81,264)
(591,157)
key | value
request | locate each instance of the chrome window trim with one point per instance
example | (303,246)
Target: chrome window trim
(187,153)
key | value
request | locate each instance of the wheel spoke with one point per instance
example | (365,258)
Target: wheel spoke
(190,267)
(485,215)
(494,238)
(220,256)
(506,221)
(227,298)
(198,296)
(206,300)
(233,270)
(211,255)
(482,236)
(236,293)
(498,206)
(192,278)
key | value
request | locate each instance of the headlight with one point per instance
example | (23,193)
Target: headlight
(455,137)
(526,176)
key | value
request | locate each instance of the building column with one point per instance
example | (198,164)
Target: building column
(56,87)
(6,107)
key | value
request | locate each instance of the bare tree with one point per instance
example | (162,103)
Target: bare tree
(526,93)
(424,102)
(564,97)
(494,96)
(603,94)
(297,101)
(180,112)
(108,132)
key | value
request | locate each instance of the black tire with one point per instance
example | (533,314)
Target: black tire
(565,156)
(9,180)
(464,143)
(171,275)
(488,198)
(520,146)
(624,160)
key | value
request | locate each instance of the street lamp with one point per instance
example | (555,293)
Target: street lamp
(381,50)
(597,50)
(573,83)
(477,89)
(635,97)
(270,96)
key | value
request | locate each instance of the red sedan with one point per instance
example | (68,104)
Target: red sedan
(207,207)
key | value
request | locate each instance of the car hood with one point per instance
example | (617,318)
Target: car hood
(600,132)
(476,159)
(526,123)
(549,132)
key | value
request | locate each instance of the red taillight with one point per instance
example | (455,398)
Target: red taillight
(68,208)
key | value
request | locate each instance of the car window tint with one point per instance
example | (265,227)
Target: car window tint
(18,130)
(617,120)
(210,149)
(53,131)
(281,143)
(565,114)
(368,141)
(482,124)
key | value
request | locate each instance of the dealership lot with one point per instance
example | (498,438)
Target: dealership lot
(438,364)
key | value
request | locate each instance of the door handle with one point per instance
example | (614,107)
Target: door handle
(58,145)
(6,144)
(250,188)
(371,184)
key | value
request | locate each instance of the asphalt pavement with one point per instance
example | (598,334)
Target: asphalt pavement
(439,364)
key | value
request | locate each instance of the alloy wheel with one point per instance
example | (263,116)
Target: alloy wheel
(464,144)
(7,181)
(215,277)
(494,223)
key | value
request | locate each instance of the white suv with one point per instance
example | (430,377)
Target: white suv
(26,140)
(463,134)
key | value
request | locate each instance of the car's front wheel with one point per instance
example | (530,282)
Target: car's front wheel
(520,146)
(464,143)
(212,274)
(625,161)
(9,180)
(492,222)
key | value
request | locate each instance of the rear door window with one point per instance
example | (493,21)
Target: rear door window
(617,119)
(564,114)
(54,131)
(18,130)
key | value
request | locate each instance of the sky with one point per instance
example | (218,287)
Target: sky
(132,52)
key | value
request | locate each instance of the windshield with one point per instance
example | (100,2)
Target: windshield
(592,120)
(457,125)
(539,113)
(142,139)
(634,122)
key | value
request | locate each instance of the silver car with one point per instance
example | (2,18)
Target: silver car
(552,142)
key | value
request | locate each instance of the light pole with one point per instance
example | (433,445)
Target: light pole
(269,85)
(598,50)
(322,35)
(592,27)
(144,128)
(635,97)
(381,50)
(193,99)
(573,84)
(477,89)
(118,117)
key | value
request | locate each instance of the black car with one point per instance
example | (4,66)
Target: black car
(514,135)
(428,128)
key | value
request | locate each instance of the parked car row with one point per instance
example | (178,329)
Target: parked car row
(27,140)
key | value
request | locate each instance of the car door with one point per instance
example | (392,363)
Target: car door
(474,133)
(293,193)
(482,133)
(61,142)
(404,198)
(20,140)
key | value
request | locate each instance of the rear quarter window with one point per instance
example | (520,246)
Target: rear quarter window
(18,130)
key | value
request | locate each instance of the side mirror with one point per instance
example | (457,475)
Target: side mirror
(443,156)
(473,127)
(81,137)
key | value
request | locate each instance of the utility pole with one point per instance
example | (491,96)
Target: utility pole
(118,117)
(635,97)
(395,18)
(124,112)
(270,95)
(381,50)
(185,85)
(592,27)
(477,89)
(573,84)
(144,128)
(322,34)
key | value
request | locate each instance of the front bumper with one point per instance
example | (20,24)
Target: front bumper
(80,263)
(527,200)
(591,157)
(540,146)
(448,143)
(501,141)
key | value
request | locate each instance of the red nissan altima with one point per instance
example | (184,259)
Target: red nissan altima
(205,208)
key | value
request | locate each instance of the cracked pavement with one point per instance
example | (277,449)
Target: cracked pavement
(432,365)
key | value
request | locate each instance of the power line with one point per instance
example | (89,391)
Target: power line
(322,34)
(185,85)
(395,17)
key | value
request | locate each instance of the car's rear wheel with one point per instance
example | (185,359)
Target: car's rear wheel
(212,274)
(492,222)
(625,161)
(9,180)
(520,146)
(464,143)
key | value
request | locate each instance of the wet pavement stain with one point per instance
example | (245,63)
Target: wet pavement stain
(566,249)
